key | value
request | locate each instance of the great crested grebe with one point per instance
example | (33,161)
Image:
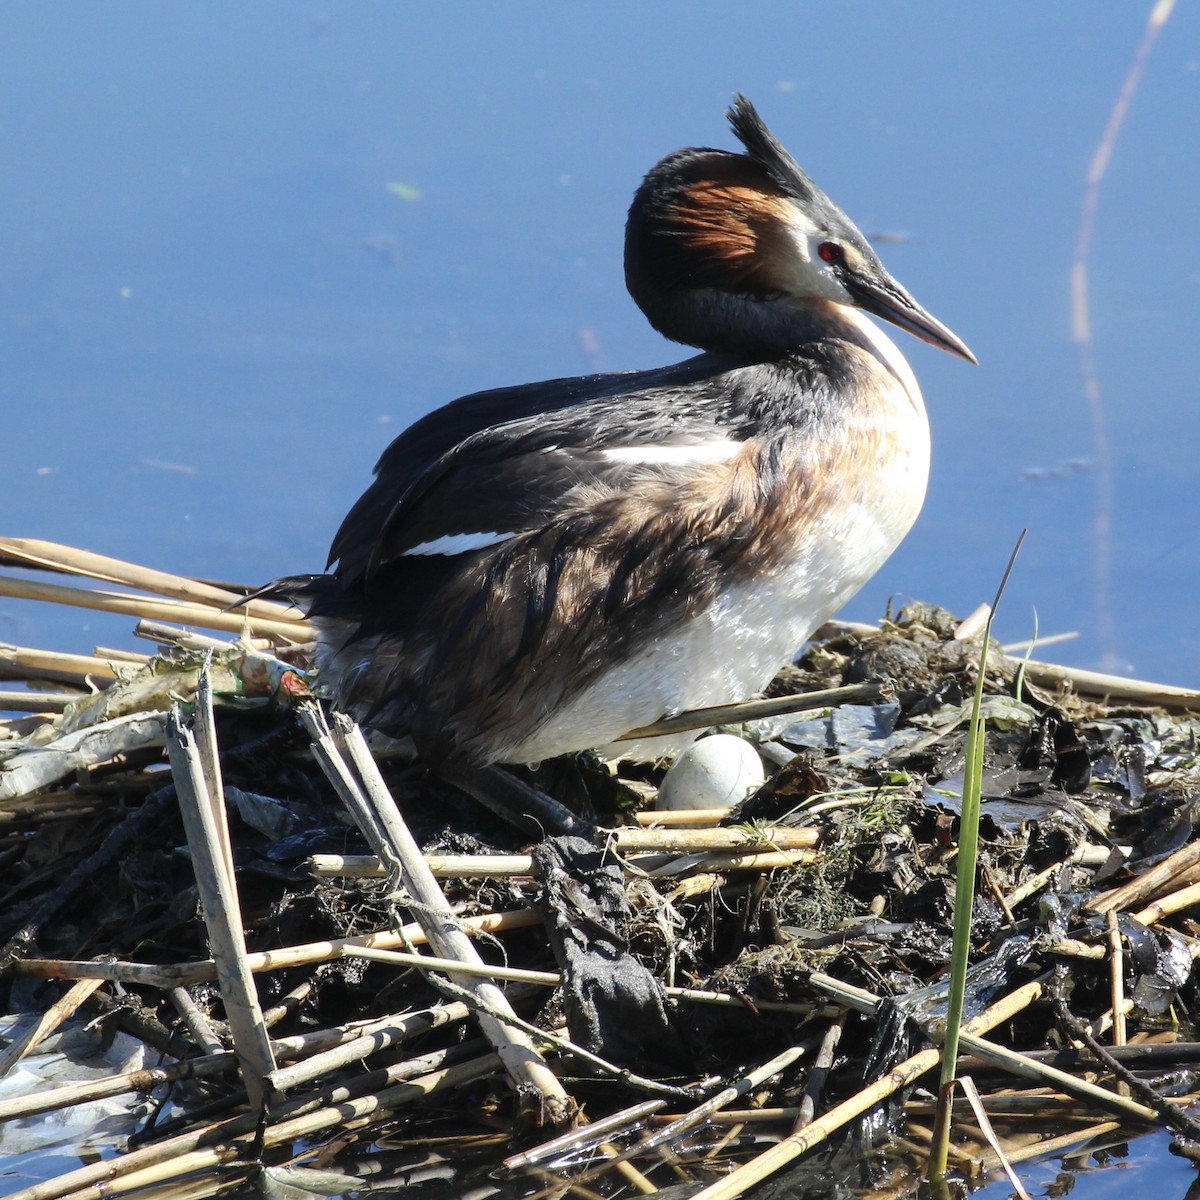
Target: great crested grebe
(539,569)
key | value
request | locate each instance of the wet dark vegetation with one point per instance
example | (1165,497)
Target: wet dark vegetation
(677,1002)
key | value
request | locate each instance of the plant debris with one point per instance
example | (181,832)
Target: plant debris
(566,986)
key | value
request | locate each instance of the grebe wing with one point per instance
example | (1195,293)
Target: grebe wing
(518,476)
(488,427)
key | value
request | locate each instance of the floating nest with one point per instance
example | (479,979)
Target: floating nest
(279,954)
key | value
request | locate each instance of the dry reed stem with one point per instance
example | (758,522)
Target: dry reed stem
(187,639)
(1074,948)
(61,1010)
(1172,903)
(50,806)
(800,1142)
(817,1078)
(26,662)
(1098,1026)
(204,970)
(380,1036)
(639,1182)
(747,1083)
(698,841)
(68,1095)
(1005,1103)
(1052,1147)
(1116,975)
(757,710)
(1032,885)
(15,728)
(379,1103)
(1111,687)
(1050,639)
(552,1037)
(202,805)
(920,1143)
(36,702)
(659,1139)
(111,654)
(195,1022)
(289,1003)
(623,841)
(696,885)
(668,818)
(175,1170)
(443,866)
(737,1116)
(1149,882)
(150,606)
(316,1054)
(234,1140)
(73,561)
(771,860)
(989,1134)
(357,780)
(427,962)
(700,996)
(973,624)
(999,1056)
(578,1139)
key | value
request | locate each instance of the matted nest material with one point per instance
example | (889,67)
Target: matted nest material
(336,968)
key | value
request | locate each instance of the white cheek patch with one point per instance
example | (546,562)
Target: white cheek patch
(805,273)
(819,275)
(702,452)
(457,543)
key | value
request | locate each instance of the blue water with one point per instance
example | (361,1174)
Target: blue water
(244,245)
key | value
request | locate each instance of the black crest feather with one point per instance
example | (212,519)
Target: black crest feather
(768,151)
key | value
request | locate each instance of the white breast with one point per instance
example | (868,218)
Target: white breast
(736,646)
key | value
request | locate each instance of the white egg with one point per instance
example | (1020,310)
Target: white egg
(716,772)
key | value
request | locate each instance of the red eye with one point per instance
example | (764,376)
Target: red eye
(831,252)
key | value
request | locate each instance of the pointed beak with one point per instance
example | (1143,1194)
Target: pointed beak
(887,299)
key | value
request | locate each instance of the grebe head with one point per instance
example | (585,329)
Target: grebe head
(728,251)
